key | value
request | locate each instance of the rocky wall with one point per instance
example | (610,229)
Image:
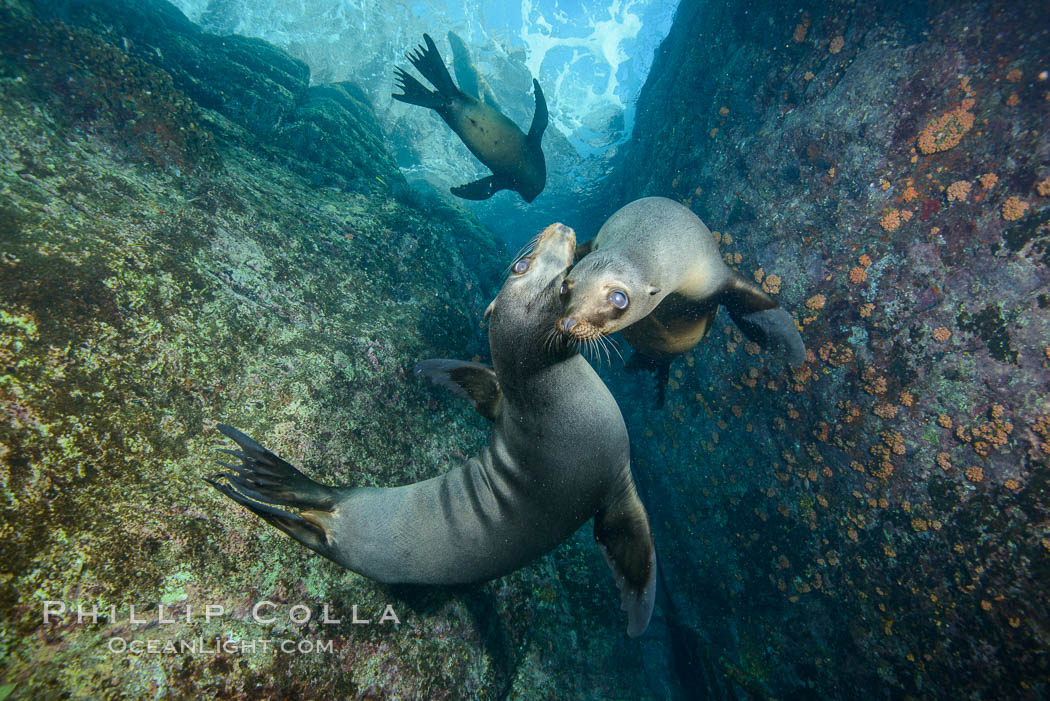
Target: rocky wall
(875,522)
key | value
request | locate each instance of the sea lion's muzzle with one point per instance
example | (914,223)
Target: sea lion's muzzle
(577,330)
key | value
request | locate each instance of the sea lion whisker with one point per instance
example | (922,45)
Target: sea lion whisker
(596,342)
(604,345)
(548,343)
(615,346)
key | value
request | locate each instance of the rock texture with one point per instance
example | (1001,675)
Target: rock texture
(189,233)
(876,523)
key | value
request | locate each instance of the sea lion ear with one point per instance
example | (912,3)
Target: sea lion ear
(488,312)
(653,289)
(473,381)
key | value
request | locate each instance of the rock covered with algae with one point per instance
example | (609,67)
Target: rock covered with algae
(190,232)
(877,522)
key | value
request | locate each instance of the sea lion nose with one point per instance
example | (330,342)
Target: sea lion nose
(567,324)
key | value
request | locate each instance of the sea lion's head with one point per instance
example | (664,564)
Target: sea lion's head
(526,307)
(602,295)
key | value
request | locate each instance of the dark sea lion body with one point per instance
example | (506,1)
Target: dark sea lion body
(666,263)
(558,455)
(515,158)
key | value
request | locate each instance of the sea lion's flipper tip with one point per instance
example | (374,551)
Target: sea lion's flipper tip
(306,532)
(428,62)
(415,93)
(474,381)
(540,116)
(584,248)
(762,319)
(623,534)
(479,189)
(264,478)
(775,330)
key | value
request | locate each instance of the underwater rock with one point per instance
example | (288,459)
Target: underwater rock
(326,132)
(167,260)
(872,523)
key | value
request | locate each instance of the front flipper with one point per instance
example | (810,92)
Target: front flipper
(622,532)
(540,116)
(763,320)
(775,330)
(472,381)
(479,189)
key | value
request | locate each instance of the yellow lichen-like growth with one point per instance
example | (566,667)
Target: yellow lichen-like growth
(799,35)
(894,218)
(974,473)
(1042,188)
(1014,208)
(941,334)
(857,275)
(958,191)
(891,220)
(947,130)
(988,180)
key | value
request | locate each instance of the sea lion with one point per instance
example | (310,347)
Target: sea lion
(654,273)
(515,159)
(467,75)
(558,455)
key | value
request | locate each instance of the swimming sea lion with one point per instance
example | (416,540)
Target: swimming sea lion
(515,159)
(467,75)
(558,455)
(654,272)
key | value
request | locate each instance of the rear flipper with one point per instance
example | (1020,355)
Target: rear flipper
(263,482)
(428,62)
(659,367)
(762,319)
(479,189)
(414,93)
(622,532)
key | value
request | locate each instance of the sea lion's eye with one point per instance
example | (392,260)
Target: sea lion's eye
(618,298)
(564,288)
(521,266)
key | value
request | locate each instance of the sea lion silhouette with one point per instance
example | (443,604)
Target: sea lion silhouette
(515,159)
(467,75)
(558,455)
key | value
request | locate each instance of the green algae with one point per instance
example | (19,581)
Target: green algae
(153,285)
